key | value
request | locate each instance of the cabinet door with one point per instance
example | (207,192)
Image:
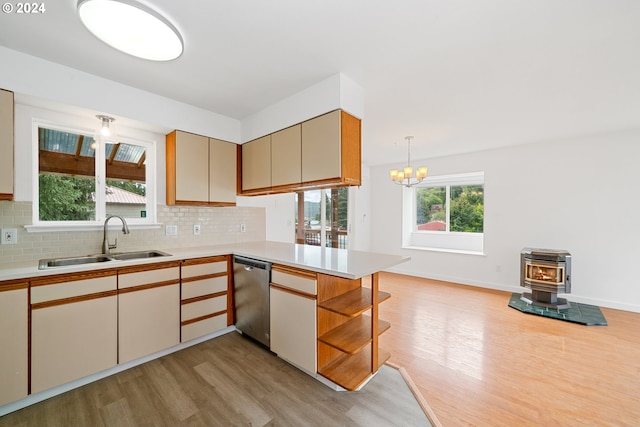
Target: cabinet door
(192,167)
(321,153)
(222,171)
(14,332)
(71,341)
(148,310)
(6,145)
(74,322)
(256,163)
(149,321)
(293,328)
(286,156)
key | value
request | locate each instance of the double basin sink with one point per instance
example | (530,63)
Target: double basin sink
(99,258)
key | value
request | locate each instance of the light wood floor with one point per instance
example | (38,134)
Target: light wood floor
(478,362)
(226,381)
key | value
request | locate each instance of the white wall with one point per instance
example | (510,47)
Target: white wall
(337,91)
(25,146)
(35,77)
(578,194)
(280,214)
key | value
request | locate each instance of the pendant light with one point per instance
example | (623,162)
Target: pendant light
(406,176)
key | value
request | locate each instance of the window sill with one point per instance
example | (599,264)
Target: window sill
(453,251)
(40,228)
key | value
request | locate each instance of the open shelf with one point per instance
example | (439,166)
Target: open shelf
(349,371)
(353,303)
(354,335)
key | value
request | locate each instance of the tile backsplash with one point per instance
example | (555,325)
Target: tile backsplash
(218,226)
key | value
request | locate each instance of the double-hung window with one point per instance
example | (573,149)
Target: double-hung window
(445,213)
(82,178)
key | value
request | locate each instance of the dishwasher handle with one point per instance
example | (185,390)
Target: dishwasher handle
(250,264)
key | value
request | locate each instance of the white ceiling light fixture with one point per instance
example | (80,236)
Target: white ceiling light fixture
(405,176)
(107,131)
(132,28)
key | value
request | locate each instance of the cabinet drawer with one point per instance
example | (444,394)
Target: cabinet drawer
(204,327)
(204,269)
(300,281)
(129,280)
(203,307)
(199,288)
(73,288)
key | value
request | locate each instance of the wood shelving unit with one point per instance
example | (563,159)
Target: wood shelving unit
(353,303)
(354,335)
(348,352)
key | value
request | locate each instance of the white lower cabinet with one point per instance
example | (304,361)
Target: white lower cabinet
(204,296)
(148,310)
(293,317)
(73,328)
(14,336)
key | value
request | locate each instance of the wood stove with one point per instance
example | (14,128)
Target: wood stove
(547,272)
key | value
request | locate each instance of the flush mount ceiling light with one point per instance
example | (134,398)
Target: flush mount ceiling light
(406,176)
(132,28)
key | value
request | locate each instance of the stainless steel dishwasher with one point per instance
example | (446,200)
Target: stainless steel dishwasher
(251,293)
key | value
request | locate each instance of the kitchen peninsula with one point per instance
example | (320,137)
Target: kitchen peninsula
(329,295)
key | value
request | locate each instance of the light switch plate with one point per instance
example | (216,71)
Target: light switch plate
(9,236)
(171,230)
(196,229)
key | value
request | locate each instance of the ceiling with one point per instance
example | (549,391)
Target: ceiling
(459,75)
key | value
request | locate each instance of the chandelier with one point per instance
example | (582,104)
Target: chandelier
(406,175)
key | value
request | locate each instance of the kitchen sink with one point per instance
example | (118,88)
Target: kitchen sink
(93,259)
(138,255)
(77,260)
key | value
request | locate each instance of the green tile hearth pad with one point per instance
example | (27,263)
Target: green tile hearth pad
(583,314)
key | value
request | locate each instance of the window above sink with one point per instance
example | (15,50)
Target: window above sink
(80,180)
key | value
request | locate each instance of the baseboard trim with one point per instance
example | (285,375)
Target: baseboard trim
(517,289)
(433,419)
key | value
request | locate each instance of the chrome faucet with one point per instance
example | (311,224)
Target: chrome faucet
(105,241)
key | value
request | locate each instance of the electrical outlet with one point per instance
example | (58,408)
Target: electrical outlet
(243,228)
(171,230)
(9,236)
(196,229)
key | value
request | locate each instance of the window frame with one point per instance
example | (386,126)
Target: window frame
(441,241)
(150,221)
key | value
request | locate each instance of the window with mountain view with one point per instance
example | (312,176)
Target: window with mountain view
(321,217)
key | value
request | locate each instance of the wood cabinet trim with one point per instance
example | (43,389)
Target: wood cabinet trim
(203,277)
(148,286)
(201,318)
(13,285)
(293,291)
(295,271)
(147,267)
(205,260)
(170,156)
(72,300)
(72,277)
(203,298)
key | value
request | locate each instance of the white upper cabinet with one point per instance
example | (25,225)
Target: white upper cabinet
(6,145)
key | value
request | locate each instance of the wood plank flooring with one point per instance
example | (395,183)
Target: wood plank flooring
(226,381)
(478,362)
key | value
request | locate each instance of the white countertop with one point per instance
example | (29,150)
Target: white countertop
(337,262)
